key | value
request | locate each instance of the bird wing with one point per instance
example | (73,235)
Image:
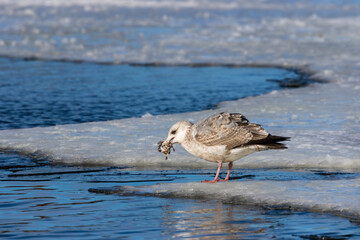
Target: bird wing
(229,129)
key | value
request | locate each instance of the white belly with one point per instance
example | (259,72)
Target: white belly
(218,153)
(241,152)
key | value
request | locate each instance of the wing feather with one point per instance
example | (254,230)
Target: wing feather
(229,129)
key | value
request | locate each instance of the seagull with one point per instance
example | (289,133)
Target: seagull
(222,138)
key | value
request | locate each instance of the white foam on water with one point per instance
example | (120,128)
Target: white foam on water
(340,197)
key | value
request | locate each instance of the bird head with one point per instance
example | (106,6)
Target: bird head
(177,132)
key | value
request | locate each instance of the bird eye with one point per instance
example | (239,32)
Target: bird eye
(173,132)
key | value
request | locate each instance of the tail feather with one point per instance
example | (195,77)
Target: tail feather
(271,142)
(275,146)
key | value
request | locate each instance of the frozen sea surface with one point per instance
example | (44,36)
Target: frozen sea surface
(321,38)
(323,120)
(321,137)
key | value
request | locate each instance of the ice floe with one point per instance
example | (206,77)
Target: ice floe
(341,197)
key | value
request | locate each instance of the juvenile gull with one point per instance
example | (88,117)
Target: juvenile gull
(221,138)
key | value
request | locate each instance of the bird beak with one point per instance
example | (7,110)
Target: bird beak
(169,141)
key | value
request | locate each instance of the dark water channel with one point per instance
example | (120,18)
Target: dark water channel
(45,93)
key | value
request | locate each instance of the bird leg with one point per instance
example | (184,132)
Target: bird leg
(216,179)
(228,173)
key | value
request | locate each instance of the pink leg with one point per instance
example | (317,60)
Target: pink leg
(216,179)
(228,173)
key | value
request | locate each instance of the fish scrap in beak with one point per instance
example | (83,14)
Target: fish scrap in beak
(166,147)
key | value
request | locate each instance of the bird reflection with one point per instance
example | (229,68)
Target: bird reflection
(211,221)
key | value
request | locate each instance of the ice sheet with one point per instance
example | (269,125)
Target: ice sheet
(323,120)
(341,197)
(320,139)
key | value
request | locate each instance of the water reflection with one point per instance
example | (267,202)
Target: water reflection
(200,219)
(213,221)
(63,208)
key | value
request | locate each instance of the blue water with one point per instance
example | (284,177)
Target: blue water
(59,206)
(45,93)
